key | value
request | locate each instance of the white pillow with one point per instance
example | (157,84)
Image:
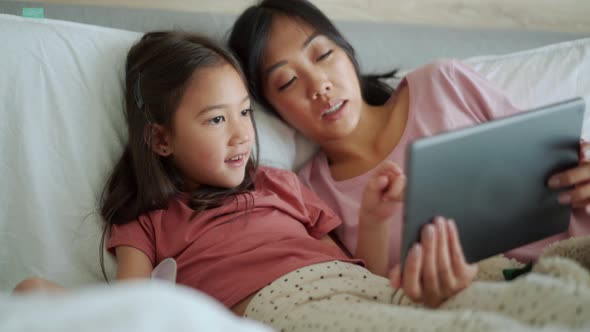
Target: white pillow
(62,130)
(543,75)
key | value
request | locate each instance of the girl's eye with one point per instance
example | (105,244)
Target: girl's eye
(325,55)
(217,120)
(247,111)
(286,85)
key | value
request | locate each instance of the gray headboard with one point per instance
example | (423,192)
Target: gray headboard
(381,46)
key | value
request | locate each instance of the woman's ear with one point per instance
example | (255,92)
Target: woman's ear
(157,137)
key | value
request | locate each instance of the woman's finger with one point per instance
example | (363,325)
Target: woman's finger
(578,197)
(464,272)
(445,269)
(584,152)
(576,175)
(396,191)
(388,167)
(395,277)
(430,282)
(457,256)
(374,189)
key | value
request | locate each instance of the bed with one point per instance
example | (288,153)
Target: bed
(62,130)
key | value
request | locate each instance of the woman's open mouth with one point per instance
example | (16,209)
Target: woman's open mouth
(335,111)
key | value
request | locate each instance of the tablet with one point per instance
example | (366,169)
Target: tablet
(491,179)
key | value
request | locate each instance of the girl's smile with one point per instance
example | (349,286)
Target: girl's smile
(238,160)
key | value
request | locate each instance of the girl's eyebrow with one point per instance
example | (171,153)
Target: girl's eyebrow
(306,43)
(220,106)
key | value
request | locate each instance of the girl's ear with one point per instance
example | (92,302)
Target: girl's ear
(158,138)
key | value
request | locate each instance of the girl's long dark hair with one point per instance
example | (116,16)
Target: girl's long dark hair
(249,36)
(158,69)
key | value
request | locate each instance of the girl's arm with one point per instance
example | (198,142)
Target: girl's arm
(384,189)
(132,263)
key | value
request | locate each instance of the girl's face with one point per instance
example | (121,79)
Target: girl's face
(310,81)
(212,132)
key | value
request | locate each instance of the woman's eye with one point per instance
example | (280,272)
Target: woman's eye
(217,120)
(247,111)
(286,85)
(325,55)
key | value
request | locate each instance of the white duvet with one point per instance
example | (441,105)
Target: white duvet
(146,306)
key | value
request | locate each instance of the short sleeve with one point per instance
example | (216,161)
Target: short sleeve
(479,95)
(317,217)
(322,219)
(138,234)
(449,94)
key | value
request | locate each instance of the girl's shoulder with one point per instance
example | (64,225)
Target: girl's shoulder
(275,175)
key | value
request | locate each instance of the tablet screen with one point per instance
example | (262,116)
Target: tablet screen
(492,179)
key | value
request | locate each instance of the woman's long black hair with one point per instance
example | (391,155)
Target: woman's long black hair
(249,36)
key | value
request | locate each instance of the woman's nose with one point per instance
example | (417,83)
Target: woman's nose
(321,86)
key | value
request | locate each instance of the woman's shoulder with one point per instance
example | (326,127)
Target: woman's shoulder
(444,77)
(442,69)
(315,165)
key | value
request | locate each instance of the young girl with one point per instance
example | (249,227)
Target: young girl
(254,238)
(299,65)
(188,187)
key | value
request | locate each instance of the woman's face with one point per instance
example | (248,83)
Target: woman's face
(310,81)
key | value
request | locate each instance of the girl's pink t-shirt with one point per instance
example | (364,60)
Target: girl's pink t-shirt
(443,96)
(236,249)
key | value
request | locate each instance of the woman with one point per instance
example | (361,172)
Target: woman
(300,66)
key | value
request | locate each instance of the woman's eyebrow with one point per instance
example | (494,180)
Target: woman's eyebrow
(274,67)
(306,43)
(310,39)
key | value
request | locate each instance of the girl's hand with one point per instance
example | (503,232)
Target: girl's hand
(579,177)
(435,269)
(385,187)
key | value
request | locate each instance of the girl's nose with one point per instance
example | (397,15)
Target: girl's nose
(241,132)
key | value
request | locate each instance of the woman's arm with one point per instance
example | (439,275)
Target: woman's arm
(132,263)
(384,189)
(373,246)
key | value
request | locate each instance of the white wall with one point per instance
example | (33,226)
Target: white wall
(555,15)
